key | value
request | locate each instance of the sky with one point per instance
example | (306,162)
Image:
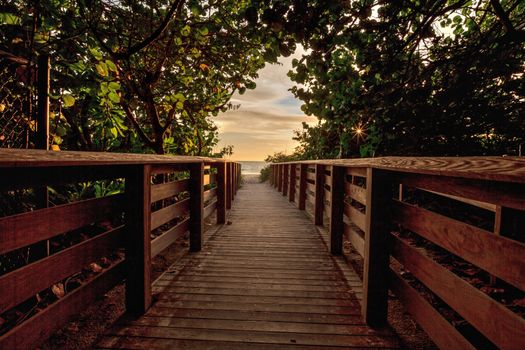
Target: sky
(267,116)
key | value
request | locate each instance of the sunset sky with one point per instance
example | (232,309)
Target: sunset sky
(268,115)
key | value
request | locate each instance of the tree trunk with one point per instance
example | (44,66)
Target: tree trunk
(158,146)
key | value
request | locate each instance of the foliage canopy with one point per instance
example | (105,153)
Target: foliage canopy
(142,76)
(414,77)
(440,77)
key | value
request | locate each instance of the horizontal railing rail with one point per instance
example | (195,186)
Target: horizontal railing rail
(162,198)
(406,217)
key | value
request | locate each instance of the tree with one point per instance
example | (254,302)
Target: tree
(433,78)
(148,87)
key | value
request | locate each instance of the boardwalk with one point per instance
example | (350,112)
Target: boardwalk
(264,282)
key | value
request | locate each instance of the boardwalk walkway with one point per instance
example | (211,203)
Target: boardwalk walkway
(266,281)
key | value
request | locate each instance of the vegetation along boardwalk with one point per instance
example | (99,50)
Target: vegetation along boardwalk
(267,281)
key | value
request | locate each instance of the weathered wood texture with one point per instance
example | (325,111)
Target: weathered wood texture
(286,178)
(318,197)
(43,273)
(504,328)
(494,184)
(229,184)
(501,256)
(444,334)
(302,186)
(30,333)
(27,228)
(257,284)
(196,206)
(34,169)
(38,158)
(337,197)
(138,241)
(510,169)
(293,180)
(168,189)
(378,195)
(221,193)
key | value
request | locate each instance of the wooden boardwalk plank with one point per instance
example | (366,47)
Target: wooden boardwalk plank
(240,297)
(255,326)
(264,282)
(112,342)
(260,292)
(255,336)
(244,315)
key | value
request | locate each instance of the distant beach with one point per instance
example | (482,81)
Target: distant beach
(251,167)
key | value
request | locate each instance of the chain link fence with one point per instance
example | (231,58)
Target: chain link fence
(17,97)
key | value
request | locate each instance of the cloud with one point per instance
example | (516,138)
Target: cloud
(267,116)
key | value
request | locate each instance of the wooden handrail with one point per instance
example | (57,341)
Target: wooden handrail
(363,208)
(179,203)
(510,169)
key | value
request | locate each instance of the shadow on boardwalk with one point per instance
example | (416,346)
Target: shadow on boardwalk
(266,281)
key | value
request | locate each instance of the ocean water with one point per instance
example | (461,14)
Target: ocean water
(251,167)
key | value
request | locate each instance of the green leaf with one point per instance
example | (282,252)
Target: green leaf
(111,66)
(57,140)
(9,19)
(41,38)
(114,97)
(185,31)
(179,97)
(204,31)
(68,100)
(103,89)
(114,85)
(61,131)
(196,10)
(102,69)
(96,53)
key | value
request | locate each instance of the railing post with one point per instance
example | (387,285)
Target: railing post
(302,186)
(234,181)
(228,186)
(337,190)
(276,175)
(196,205)
(376,264)
(276,185)
(42,134)
(238,177)
(291,191)
(221,193)
(319,194)
(286,172)
(138,243)
(279,177)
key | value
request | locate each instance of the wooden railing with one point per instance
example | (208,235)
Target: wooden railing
(395,212)
(164,197)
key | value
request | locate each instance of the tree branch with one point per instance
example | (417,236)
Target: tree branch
(131,118)
(500,12)
(176,6)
